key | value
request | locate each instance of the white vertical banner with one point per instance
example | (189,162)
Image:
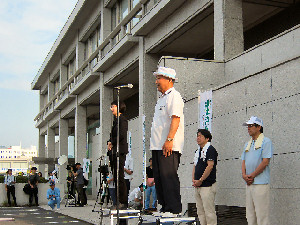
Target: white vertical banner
(129,143)
(86,165)
(205,110)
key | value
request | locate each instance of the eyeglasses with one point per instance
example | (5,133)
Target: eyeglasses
(251,125)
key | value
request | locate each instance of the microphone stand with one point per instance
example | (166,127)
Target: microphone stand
(118,156)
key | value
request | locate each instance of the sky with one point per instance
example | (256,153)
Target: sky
(28,29)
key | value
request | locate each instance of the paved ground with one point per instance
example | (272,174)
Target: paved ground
(35,215)
(90,215)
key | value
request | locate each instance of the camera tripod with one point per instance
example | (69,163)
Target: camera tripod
(103,189)
(70,197)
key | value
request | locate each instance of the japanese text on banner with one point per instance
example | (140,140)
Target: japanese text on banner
(205,110)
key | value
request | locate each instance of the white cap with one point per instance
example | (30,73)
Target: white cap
(254,120)
(166,72)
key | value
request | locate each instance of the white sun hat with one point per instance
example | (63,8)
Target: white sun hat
(166,72)
(254,120)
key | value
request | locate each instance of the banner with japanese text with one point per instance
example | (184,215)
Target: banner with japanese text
(205,110)
(86,165)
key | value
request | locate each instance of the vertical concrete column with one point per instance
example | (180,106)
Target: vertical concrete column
(147,91)
(105,21)
(106,97)
(42,153)
(79,54)
(51,146)
(80,132)
(63,149)
(228,28)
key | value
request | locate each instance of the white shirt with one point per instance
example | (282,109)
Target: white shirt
(136,193)
(112,183)
(168,105)
(9,179)
(128,166)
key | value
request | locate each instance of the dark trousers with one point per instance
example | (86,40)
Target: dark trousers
(33,192)
(127,181)
(81,194)
(123,197)
(71,191)
(11,191)
(167,182)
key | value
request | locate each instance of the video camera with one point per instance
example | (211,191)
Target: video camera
(103,169)
(72,167)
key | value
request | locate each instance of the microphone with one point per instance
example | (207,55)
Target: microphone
(124,86)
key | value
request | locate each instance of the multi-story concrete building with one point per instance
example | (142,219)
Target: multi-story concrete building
(17,158)
(246,51)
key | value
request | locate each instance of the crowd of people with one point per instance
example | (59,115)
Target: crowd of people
(166,145)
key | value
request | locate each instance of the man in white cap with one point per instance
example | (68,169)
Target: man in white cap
(166,142)
(256,172)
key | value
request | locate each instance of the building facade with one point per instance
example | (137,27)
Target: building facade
(245,51)
(17,158)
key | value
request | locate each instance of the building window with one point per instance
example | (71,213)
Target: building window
(92,43)
(71,67)
(134,3)
(123,9)
(114,16)
(56,85)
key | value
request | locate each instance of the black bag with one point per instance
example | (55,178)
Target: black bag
(86,182)
(26,189)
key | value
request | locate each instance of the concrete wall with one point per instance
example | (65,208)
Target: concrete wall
(274,96)
(268,87)
(23,199)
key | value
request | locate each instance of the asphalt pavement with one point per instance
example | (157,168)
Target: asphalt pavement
(35,216)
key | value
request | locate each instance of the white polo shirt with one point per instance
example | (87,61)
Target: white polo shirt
(168,105)
(128,166)
(136,193)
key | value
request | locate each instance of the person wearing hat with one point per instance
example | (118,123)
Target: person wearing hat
(53,195)
(33,181)
(256,172)
(9,182)
(79,184)
(167,139)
